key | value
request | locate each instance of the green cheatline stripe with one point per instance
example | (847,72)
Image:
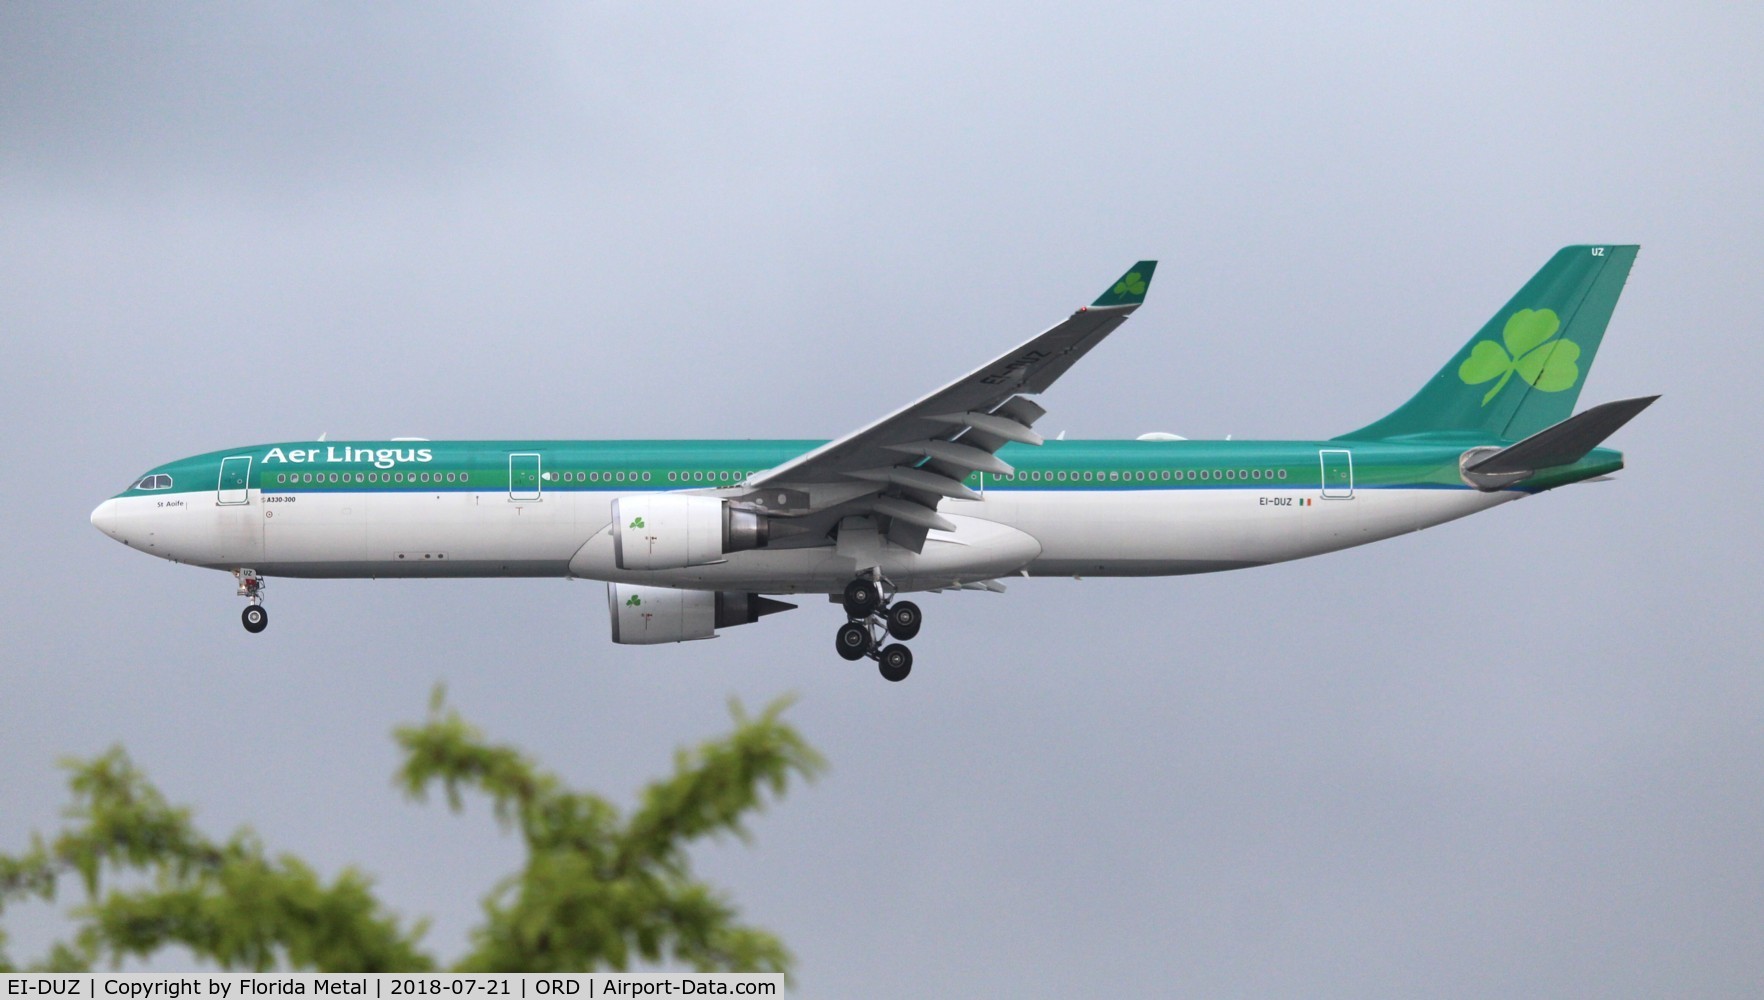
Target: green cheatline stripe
(569,465)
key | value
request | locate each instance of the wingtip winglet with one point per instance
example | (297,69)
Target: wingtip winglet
(1130,290)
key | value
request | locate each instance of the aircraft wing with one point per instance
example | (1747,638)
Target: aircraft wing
(902,465)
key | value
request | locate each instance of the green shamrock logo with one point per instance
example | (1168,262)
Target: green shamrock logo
(634,602)
(1548,365)
(637,523)
(1133,284)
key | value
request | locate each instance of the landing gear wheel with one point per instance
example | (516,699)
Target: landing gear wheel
(904,620)
(256,619)
(895,662)
(853,642)
(861,599)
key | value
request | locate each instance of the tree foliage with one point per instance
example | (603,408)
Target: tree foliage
(600,889)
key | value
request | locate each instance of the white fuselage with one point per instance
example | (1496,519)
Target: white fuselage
(1040,533)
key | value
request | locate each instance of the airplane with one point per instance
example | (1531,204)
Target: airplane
(955,490)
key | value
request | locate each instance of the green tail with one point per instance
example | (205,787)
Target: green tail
(1523,371)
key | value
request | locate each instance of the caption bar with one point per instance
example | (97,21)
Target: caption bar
(251,986)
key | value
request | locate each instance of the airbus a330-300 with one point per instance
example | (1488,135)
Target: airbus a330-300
(954,490)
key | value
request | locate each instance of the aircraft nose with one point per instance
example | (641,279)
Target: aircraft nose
(104,517)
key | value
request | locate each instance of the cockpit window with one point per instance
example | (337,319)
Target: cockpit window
(154,482)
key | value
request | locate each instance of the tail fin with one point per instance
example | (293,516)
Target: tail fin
(1523,371)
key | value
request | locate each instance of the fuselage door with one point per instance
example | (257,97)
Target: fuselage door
(523,476)
(1338,473)
(235,480)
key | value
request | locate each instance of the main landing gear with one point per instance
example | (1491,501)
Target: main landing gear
(873,619)
(255,616)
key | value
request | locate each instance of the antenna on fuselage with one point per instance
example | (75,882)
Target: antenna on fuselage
(322,434)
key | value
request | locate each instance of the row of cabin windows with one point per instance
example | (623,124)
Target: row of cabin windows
(634,477)
(371,477)
(163,482)
(461,477)
(1166,475)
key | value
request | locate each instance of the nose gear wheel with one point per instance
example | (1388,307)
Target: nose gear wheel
(255,617)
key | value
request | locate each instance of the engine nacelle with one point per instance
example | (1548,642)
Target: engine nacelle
(643,616)
(673,531)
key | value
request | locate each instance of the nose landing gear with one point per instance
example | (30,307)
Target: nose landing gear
(256,616)
(873,618)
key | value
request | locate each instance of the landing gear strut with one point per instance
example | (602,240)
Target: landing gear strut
(873,618)
(255,616)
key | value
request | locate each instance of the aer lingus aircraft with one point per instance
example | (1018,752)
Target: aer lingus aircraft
(954,490)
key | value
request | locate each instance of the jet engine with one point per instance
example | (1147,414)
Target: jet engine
(673,531)
(643,616)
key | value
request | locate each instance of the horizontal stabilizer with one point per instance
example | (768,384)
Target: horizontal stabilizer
(1564,443)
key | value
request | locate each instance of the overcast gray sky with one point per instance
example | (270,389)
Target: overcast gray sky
(1516,755)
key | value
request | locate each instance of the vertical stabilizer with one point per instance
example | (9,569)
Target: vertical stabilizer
(1523,371)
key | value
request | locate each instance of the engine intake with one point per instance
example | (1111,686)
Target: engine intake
(672,531)
(643,616)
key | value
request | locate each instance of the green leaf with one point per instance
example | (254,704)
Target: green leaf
(596,891)
(1528,328)
(1486,361)
(1551,367)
